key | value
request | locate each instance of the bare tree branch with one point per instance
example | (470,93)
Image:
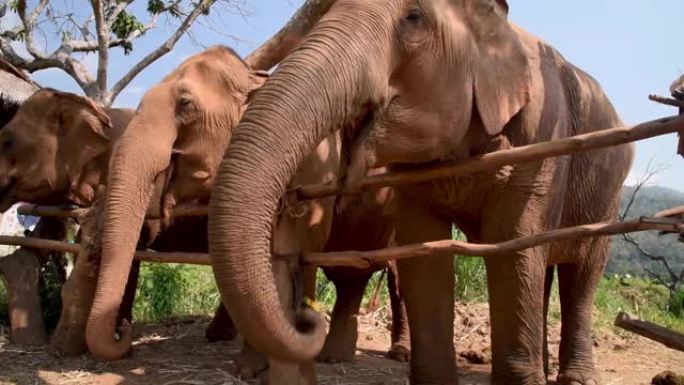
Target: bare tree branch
(674,280)
(116,11)
(160,51)
(282,43)
(103,47)
(29,22)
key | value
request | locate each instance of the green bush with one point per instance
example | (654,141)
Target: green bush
(643,298)
(166,291)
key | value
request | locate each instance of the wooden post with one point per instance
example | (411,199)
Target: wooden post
(665,336)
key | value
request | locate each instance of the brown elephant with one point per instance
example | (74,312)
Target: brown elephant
(424,81)
(55,149)
(69,139)
(171,141)
(182,127)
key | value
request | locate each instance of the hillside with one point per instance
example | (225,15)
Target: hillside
(625,259)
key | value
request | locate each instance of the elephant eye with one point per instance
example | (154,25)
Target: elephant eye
(414,16)
(7,144)
(185,101)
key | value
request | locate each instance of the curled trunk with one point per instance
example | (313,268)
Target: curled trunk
(139,157)
(304,101)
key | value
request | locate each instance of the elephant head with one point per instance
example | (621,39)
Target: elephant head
(409,80)
(52,150)
(179,133)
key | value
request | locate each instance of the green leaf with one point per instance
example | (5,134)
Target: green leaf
(124,25)
(155,6)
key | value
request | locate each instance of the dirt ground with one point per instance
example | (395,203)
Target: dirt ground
(176,353)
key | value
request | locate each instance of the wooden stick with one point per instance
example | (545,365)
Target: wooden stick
(184,210)
(288,38)
(366,259)
(175,257)
(665,336)
(145,256)
(494,160)
(666,101)
(51,211)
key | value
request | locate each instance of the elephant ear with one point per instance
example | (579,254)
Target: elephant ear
(256,80)
(501,76)
(82,135)
(81,113)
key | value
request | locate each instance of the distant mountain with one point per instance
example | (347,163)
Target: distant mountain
(625,259)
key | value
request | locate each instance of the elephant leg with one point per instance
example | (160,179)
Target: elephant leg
(78,292)
(401,338)
(427,286)
(548,283)
(249,364)
(340,344)
(516,301)
(577,283)
(221,327)
(126,309)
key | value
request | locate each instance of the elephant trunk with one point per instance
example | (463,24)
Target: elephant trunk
(321,87)
(139,157)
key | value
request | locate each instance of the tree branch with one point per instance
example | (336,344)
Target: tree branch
(115,12)
(160,51)
(282,43)
(655,258)
(29,22)
(103,49)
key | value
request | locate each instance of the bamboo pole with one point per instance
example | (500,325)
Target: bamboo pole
(145,256)
(665,336)
(365,259)
(51,211)
(184,210)
(494,160)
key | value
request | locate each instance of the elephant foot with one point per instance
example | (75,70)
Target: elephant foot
(68,341)
(400,352)
(221,327)
(569,377)
(250,364)
(334,353)
(216,332)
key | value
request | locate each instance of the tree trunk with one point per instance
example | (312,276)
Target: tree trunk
(21,272)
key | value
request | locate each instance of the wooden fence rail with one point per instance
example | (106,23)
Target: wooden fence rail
(490,161)
(669,220)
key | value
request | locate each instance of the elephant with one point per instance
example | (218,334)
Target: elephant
(420,82)
(70,138)
(183,124)
(55,149)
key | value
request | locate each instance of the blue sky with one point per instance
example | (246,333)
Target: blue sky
(629,46)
